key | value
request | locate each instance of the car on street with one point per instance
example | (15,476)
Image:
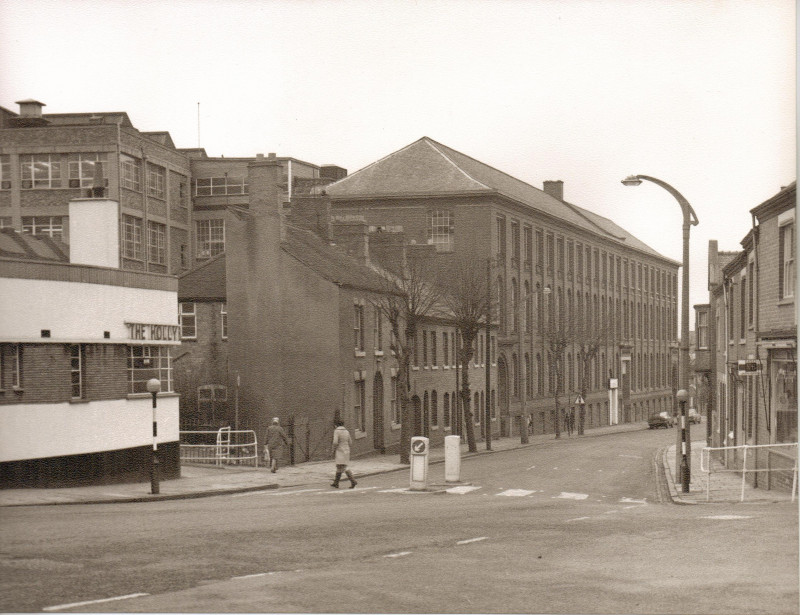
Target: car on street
(694,416)
(659,420)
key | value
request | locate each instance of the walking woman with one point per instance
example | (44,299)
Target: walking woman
(341,449)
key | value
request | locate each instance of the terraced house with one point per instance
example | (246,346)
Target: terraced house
(548,257)
(749,359)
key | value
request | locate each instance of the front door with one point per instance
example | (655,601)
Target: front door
(377,413)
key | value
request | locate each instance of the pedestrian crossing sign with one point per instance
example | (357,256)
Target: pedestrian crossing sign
(579,400)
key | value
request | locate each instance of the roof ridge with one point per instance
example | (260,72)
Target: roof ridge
(433,144)
(378,161)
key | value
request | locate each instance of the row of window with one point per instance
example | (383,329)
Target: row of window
(133,240)
(143,363)
(580,261)
(624,319)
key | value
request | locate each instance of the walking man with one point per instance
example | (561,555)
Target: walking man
(341,449)
(276,438)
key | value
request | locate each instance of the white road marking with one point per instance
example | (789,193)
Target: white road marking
(727,517)
(469,540)
(630,456)
(400,554)
(355,490)
(516,493)
(531,468)
(74,604)
(578,519)
(253,576)
(396,490)
(462,489)
(566,495)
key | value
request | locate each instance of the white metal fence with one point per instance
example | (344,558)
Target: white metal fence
(710,466)
(221,447)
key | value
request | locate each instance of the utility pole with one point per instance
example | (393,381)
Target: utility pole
(488,355)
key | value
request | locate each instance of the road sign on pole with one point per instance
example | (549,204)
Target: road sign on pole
(579,400)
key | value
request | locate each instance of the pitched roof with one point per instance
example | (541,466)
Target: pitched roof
(206,282)
(21,246)
(428,168)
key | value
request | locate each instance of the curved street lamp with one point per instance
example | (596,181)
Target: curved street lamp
(689,220)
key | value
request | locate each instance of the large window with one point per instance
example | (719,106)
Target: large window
(501,236)
(156,180)
(394,408)
(40,171)
(220,186)
(130,173)
(223,315)
(358,327)
(82,169)
(210,237)
(5,172)
(440,230)
(528,246)
(146,362)
(784,393)
(49,226)
(515,245)
(157,243)
(132,246)
(187,320)
(787,249)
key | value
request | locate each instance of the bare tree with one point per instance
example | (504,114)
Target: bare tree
(467,294)
(409,297)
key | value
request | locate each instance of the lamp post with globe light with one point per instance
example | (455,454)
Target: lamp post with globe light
(153,387)
(689,220)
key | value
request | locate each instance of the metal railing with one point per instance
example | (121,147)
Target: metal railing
(221,447)
(706,464)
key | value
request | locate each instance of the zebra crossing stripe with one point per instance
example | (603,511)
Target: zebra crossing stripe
(566,495)
(461,489)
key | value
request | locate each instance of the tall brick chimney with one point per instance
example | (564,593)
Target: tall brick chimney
(555,188)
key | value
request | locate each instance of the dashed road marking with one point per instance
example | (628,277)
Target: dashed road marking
(87,602)
(355,490)
(632,501)
(461,489)
(578,519)
(253,576)
(630,456)
(395,490)
(566,495)
(274,492)
(727,517)
(516,493)
(400,554)
(469,540)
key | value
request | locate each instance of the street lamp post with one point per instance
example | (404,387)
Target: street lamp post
(153,387)
(683,396)
(689,220)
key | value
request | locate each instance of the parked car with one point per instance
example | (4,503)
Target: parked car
(694,416)
(659,420)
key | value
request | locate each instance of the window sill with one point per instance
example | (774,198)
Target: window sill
(435,367)
(396,426)
(445,367)
(786,301)
(150,395)
(415,368)
(379,353)
(360,353)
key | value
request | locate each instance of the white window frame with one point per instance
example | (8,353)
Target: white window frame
(130,173)
(787,266)
(187,313)
(146,362)
(223,313)
(132,243)
(40,171)
(157,242)
(10,363)
(441,229)
(360,402)
(76,367)
(220,186)
(49,226)
(358,328)
(156,180)
(5,172)
(210,237)
(81,167)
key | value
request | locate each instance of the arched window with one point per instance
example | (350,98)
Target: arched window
(570,312)
(501,297)
(570,373)
(579,296)
(434,409)
(539,307)
(446,410)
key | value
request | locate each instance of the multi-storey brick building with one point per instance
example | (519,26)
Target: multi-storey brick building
(751,361)
(548,257)
(79,339)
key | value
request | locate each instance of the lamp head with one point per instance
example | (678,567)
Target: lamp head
(682,395)
(153,385)
(632,180)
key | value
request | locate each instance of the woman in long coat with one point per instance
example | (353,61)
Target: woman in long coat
(341,449)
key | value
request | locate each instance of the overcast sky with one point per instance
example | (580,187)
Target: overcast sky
(700,94)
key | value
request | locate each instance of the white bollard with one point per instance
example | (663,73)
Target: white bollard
(452,459)
(419,463)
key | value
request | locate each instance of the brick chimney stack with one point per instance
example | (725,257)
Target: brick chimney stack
(555,189)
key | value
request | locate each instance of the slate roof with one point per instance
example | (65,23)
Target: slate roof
(21,246)
(207,281)
(427,168)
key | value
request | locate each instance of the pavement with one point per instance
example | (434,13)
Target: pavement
(206,480)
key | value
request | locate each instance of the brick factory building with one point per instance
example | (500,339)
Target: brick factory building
(596,274)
